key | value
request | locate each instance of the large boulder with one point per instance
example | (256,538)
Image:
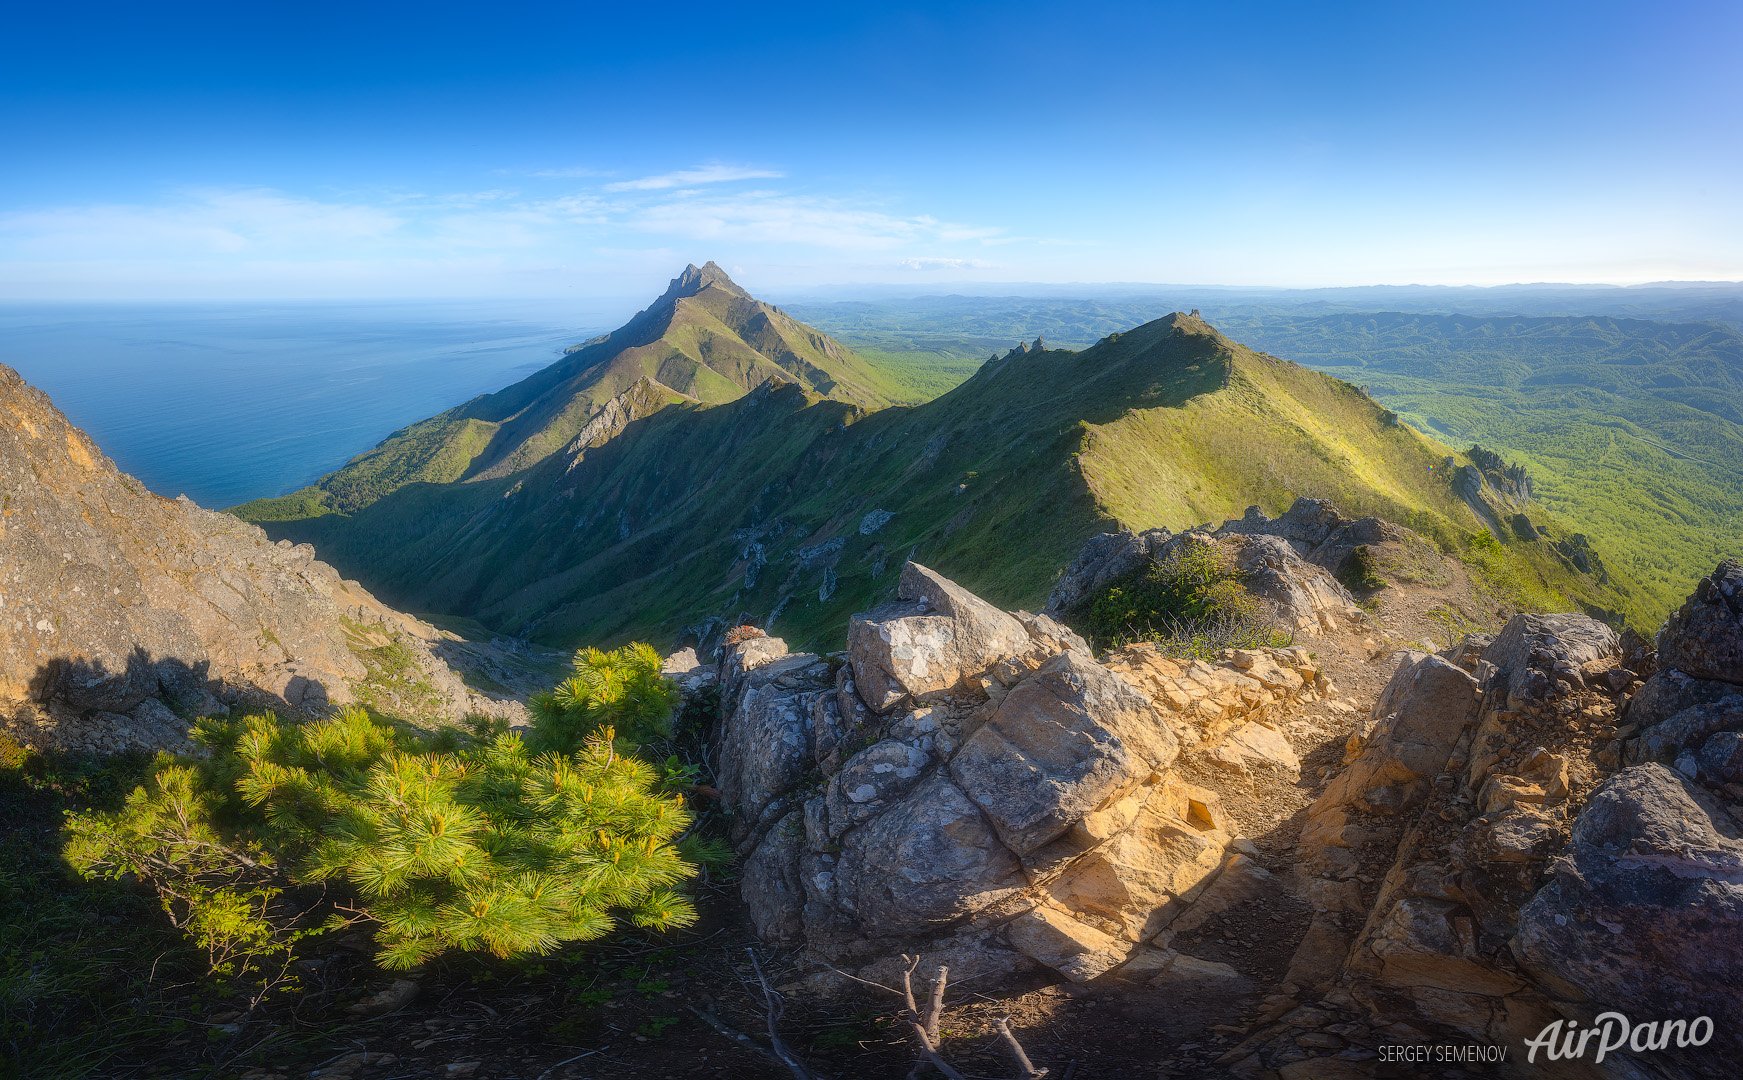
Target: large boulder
(974,785)
(1067,740)
(1644,913)
(930,643)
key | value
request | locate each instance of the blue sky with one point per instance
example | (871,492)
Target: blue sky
(272,149)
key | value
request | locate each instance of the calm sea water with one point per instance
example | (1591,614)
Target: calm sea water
(231,402)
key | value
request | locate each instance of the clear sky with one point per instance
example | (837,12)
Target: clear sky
(276,149)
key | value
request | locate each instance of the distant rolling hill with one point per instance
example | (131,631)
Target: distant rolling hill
(795,504)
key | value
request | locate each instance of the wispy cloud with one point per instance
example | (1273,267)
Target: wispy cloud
(567,172)
(199,222)
(942,264)
(702,174)
(234,235)
(778,218)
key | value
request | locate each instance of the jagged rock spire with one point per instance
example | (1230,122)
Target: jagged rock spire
(696,278)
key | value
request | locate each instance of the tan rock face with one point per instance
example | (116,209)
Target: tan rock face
(976,785)
(113,596)
(1064,742)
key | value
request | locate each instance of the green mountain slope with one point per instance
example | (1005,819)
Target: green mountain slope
(783,503)
(1632,428)
(705,340)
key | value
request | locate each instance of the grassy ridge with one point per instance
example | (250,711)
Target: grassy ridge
(771,503)
(1629,428)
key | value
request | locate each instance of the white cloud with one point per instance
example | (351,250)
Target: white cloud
(942,264)
(702,174)
(243,237)
(776,218)
(569,172)
(198,222)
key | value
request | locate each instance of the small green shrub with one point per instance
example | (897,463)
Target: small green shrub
(13,755)
(1191,602)
(1360,571)
(480,840)
(623,689)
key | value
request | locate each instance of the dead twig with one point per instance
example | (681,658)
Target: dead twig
(773,1006)
(1026,1069)
(926,1027)
(732,1033)
(552,1071)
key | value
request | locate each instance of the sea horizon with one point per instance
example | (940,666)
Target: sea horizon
(289,389)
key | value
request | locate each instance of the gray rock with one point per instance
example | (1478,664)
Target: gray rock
(1721,758)
(870,780)
(1063,742)
(926,862)
(927,645)
(774,896)
(1316,530)
(1103,560)
(765,738)
(1704,638)
(1687,730)
(168,729)
(1667,693)
(739,659)
(1644,912)
(1305,595)
(1545,644)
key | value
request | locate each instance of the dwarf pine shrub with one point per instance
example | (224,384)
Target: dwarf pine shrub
(477,841)
(623,689)
(1191,602)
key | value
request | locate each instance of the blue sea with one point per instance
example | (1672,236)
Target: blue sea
(227,402)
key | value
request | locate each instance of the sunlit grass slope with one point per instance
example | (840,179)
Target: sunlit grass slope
(788,504)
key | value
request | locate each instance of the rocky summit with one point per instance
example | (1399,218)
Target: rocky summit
(125,616)
(1525,829)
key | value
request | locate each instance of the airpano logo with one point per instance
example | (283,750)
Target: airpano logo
(1566,1040)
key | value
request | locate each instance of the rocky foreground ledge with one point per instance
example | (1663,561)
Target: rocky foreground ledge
(1527,830)
(977,786)
(125,617)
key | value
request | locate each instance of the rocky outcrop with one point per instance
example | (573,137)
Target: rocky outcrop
(976,785)
(1527,835)
(1288,562)
(1703,639)
(124,616)
(1509,479)
(643,398)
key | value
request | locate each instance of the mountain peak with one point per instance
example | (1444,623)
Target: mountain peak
(696,278)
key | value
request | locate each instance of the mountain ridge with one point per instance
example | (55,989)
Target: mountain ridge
(786,506)
(704,339)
